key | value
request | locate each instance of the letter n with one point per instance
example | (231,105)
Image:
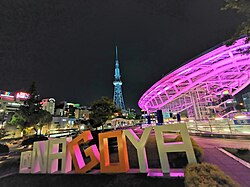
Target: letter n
(39,157)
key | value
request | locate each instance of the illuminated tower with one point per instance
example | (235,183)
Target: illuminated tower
(118,98)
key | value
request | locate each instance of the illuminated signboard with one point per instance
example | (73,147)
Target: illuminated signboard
(76,105)
(45,154)
(6,95)
(22,95)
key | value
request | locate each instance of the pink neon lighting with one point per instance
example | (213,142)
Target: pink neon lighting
(177,174)
(22,95)
(79,157)
(221,69)
(158,173)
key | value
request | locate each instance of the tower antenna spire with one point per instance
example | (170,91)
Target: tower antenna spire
(118,97)
(116,53)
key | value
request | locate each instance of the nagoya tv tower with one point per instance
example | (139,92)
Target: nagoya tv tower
(118,98)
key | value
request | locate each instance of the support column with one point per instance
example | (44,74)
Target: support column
(159,117)
(148,117)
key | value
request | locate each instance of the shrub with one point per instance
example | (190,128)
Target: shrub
(206,175)
(198,151)
(242,151)
(33,139)
(4,149)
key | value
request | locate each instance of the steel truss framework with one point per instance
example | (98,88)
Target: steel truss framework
(197,84)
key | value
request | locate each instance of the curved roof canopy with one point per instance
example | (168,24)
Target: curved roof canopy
(221,69)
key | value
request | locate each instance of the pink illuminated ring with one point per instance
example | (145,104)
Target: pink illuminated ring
(220,69)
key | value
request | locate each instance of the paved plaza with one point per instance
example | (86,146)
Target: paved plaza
(231,167)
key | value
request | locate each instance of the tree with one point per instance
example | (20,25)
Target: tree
(45,118)
(242,7)
(31,114)
(19,119)
(33,102)
(102,110)
(131,114)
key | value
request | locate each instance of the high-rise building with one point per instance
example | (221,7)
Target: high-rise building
(118,97)
(246,100)
(49,105)
(82,113)
(11,102)
(60,108)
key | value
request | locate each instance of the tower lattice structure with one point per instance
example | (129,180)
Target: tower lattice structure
(118,97)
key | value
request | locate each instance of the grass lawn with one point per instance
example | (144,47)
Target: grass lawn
(243,154)
(104,180)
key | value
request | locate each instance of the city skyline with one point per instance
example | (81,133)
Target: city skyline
(67,49)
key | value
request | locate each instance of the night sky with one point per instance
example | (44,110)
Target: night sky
(68,46)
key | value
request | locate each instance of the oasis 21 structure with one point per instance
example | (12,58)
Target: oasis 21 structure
(118,97)
(205,86)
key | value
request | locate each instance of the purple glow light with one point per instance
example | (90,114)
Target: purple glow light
(221,69)
(176,174)
(155,174)
(79,157)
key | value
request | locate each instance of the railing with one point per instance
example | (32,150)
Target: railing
(225,126)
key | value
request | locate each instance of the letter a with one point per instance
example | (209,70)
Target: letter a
(163,148)
(55,155)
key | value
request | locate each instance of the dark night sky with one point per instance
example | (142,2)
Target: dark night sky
(68,46)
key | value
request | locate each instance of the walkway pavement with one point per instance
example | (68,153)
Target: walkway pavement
(231,167)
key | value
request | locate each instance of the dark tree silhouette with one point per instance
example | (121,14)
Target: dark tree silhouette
(31,114)
(102,110)
(241,7)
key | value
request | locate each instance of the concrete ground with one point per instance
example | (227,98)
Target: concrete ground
(220,142)
(237,171)
(231,167)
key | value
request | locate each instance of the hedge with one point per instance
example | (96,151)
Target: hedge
(33,139)
(206,175)
(198,151)
(4,149)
